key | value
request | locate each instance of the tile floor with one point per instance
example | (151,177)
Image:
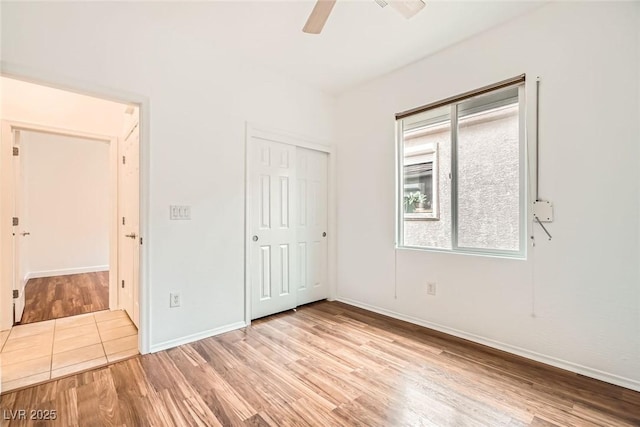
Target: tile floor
(40,351)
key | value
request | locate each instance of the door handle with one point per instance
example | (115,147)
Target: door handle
(25,233)
(254,238)
(131,236)
(324,234)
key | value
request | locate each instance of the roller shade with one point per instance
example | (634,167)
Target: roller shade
(500,85)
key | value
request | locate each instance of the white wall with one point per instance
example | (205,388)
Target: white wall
(200,98)
(26,102)
(575,302)
(66,204)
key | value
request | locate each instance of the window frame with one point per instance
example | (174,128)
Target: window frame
(522,178)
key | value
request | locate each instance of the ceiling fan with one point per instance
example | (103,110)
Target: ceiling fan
(322,9)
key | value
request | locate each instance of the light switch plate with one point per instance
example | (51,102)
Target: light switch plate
(177,212)
(174,299)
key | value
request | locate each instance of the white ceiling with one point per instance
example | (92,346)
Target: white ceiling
(360,41)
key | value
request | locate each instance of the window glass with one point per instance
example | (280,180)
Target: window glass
(488,177)
(463,190)
(426,184)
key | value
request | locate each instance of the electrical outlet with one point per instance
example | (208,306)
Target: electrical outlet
(174,299)
(431,288)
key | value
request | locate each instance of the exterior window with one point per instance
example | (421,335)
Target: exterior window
(461,174)
(420,177)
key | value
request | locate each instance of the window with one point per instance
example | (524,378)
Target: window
(461,173)
(420,177)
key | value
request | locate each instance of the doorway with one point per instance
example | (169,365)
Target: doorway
(287,215)
(61,239)
(108,330)
(68,235)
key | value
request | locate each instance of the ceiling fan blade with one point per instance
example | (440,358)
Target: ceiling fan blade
(407,8)
(318,16)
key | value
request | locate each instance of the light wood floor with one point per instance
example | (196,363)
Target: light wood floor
(330,364)
(49,298)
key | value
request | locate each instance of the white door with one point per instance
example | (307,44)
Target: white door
(128,236)
(311,225)
(272,239)
(20,235)
(287,216)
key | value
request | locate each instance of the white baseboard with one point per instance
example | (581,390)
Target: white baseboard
(549,360)
(65,272)
(196,337)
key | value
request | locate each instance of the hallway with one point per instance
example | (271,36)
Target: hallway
(49,298)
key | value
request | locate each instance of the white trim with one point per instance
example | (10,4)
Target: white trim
(538,357)
(196,337)
(523,171)
(332,223)
(247,223)
(44,76)
(65,272)
(290,138)
(113,222)
(35,127)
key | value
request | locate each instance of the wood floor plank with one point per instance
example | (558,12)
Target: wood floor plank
(258,421)
(329,364)
(49,298)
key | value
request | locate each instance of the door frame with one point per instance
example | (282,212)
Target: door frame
(45,77)
(288,138)
(8,129)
